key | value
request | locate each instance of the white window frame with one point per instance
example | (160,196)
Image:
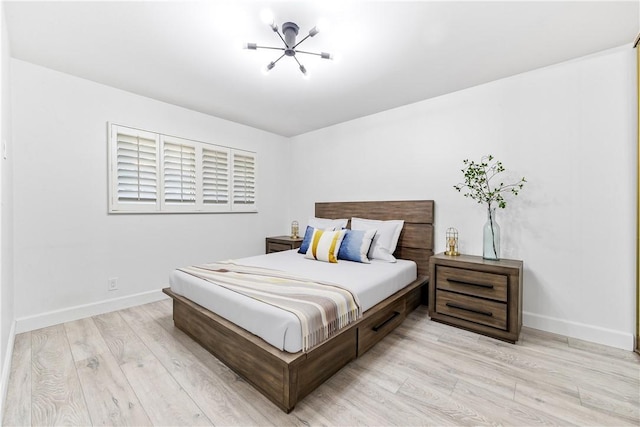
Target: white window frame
(169,206)
(212,207)
(246,206)
(117,206)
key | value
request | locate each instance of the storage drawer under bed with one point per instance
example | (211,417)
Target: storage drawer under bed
(376,327)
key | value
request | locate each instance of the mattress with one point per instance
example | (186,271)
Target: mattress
(371,283)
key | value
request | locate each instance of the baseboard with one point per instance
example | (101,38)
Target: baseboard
(581,331)
(6,369)
(70,314)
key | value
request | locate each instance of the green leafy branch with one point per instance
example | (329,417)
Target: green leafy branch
(478,182)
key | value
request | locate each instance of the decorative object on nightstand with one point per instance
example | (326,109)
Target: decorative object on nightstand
(477,181)
(480,295)
(295,230)
(452,242)
(282,243)
(491,236)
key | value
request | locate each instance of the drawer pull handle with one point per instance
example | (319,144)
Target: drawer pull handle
(381,325)
(462,282)
(473,310)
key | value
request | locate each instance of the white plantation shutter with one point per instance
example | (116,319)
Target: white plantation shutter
(179,172)
(134,169)
(244,181)
(215,176)
(137,169)
(154,173)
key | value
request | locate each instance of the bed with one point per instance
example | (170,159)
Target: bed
(286,377)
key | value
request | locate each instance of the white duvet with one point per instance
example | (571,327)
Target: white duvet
(371,283)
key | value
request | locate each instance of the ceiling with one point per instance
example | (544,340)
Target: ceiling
(388,53)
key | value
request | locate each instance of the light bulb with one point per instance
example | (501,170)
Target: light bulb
(268,68)
(266,16)
(321,25)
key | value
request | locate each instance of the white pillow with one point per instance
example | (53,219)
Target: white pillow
(386,239)
(327,224)
(325,245)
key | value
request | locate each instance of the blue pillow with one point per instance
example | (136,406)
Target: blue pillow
(355,245)
(306,240)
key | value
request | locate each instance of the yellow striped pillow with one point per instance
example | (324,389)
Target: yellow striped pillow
(324,245)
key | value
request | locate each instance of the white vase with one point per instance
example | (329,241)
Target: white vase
(491,236)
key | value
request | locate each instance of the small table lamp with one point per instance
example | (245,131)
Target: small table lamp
(452,242)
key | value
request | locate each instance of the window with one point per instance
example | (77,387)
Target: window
(179,172)
(215,176)
(135,160)
(155,173)
(244,180)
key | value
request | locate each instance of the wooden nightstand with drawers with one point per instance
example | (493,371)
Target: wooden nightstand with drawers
(282,243)
(477,294)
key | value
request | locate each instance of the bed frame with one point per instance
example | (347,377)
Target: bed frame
(285,378)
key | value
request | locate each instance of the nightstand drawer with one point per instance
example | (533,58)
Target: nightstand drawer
(470,282)
(282,243)
(277,247)
(475,310)
(480,295)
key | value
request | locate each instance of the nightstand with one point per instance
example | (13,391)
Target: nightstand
(282,243)
(477,294)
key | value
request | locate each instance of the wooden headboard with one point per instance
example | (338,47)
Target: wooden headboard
(416,239)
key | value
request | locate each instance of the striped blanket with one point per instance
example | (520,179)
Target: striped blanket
(323,308)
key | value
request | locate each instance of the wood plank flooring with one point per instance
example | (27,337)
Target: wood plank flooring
(133,367)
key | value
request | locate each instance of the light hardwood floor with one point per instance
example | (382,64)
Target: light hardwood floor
(132,367)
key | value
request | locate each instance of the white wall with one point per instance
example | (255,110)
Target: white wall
(66,245)
(6,209)
(570,129)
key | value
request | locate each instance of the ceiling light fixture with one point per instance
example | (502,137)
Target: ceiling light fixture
(288,37)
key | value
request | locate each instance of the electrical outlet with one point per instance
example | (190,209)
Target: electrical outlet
(112,284)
